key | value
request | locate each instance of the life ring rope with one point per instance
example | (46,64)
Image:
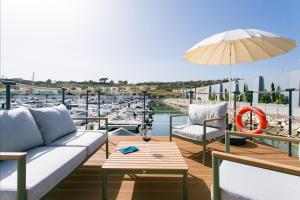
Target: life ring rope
(261,115)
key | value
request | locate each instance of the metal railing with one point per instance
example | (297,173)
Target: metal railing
(190,98)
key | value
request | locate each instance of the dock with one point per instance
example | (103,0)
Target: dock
(86,183)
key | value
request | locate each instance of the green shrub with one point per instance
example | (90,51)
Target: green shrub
(282,99)
(265,98)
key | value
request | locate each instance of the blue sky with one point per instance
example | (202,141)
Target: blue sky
(134,40)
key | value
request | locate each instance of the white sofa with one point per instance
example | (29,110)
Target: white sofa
(49,157)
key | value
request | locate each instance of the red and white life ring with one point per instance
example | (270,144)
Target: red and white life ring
(261,115)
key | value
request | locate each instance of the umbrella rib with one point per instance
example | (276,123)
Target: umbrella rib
(241,41)
(261,48)
(222,53)
(213,52)
(201,53)
(275,46)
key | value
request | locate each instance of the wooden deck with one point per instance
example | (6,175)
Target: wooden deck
(86,184)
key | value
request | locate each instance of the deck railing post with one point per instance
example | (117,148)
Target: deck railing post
(290,90)
(227,143)
(63,95)
(86,109)
(191,96)
(195,95)
(170,128)
(234,110)
(204,143)
(8,95)
(8,92)
(144,108)
(251,103)
(98,94)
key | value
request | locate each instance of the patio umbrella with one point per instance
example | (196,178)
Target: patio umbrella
(237,46)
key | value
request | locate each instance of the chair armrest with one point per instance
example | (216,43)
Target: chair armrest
(12,155)
(21,171)
(93,119)
(171,122)
(215,118)
(217,157)
(179,115)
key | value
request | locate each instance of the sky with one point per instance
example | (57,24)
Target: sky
(134,40)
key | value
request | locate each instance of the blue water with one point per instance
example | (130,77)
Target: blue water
(161,124)
(282,145)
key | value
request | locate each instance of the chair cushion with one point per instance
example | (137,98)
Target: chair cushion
(92,140)
(45,168)
(198,113)
(18,131)
(195,132)
(53,122)
(238,181)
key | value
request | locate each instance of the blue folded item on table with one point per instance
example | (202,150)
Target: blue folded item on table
(129,149)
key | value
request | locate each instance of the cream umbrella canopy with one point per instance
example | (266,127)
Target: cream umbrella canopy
(237,46)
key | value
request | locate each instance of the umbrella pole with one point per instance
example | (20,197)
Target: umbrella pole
(229,96)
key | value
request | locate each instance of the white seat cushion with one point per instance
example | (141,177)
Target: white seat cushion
(45,168)
(92,140)
(238,181)
(195,132)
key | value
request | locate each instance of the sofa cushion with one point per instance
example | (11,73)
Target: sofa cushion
(18,130)
(238,181)
(92,140)
(198,113)
(195,132)
(46,167)
(53,122)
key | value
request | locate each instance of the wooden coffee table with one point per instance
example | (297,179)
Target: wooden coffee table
(153,158)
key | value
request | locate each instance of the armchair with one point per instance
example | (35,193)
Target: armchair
(233,174)
(206,124)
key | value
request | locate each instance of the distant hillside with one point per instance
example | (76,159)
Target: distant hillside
(165,86)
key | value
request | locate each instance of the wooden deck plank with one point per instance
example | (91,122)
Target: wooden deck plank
(86,184)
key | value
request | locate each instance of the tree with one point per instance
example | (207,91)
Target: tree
(282,99)
(247,94)
(274,95)
(48,81)
(213,97)
(221,97)
(103,80)
(226,95)
(265,98)
(122,82)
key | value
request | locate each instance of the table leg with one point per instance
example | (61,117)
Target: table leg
(104,185)
(185,186)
